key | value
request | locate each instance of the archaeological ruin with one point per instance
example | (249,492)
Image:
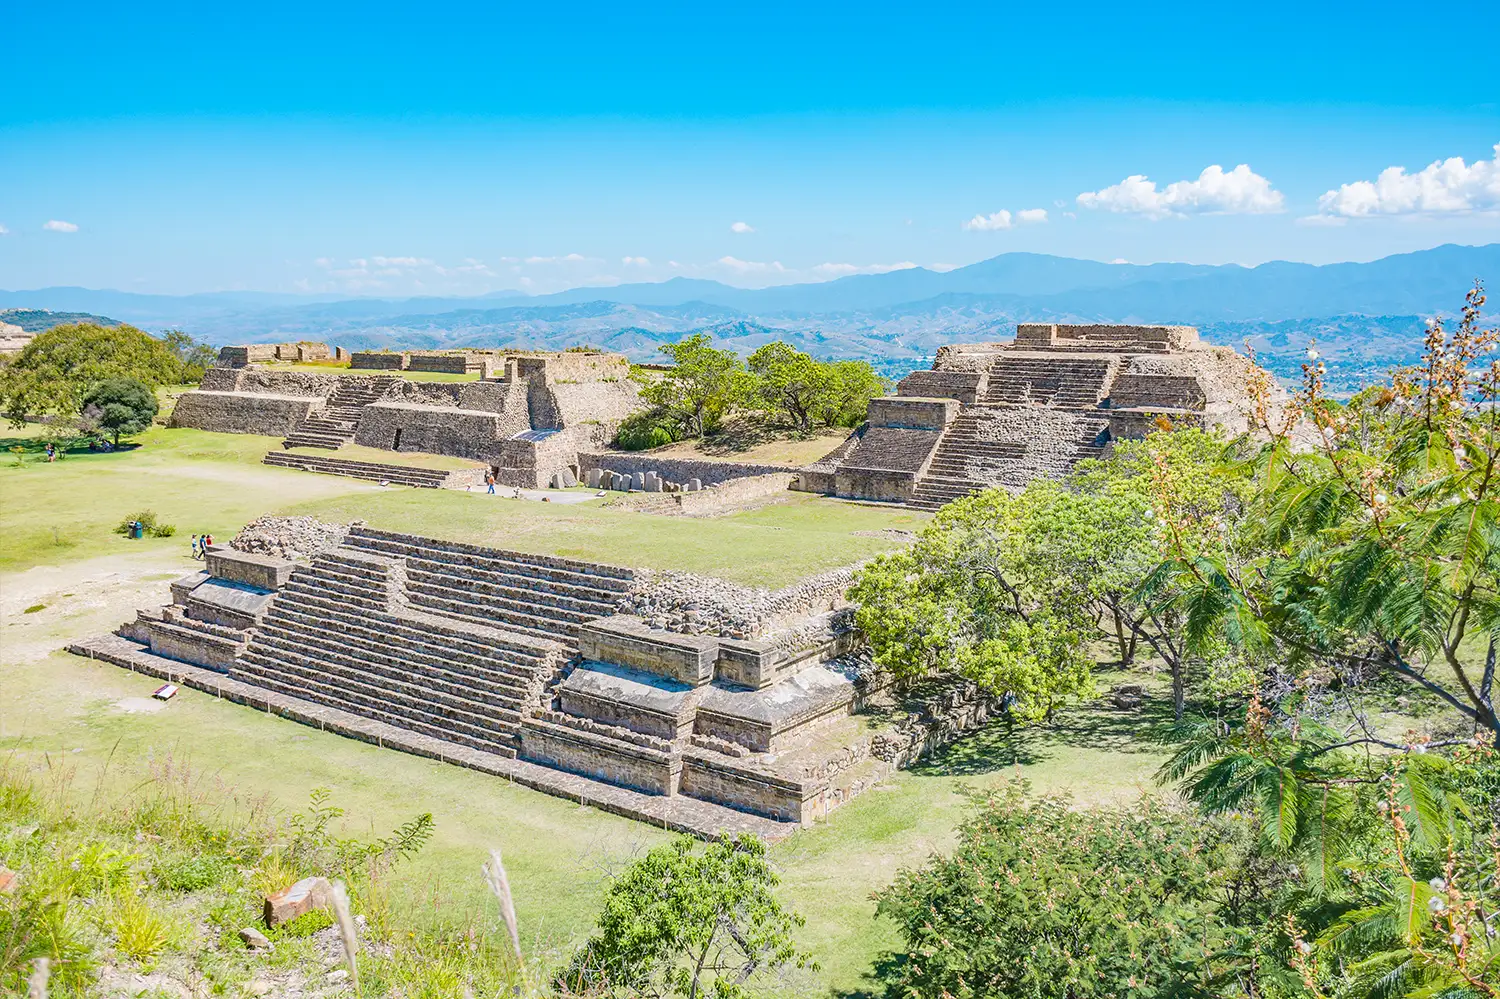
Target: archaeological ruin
(1002,414)
(985,415)
(682,700)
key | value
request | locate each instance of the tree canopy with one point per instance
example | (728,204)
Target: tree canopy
(688,922)
(120,407)
(53,373)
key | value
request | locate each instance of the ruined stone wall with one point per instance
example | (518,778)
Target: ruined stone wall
(262,380)
(378,360)
(912,412)
(461,433)
(453,364)
(965,386)
(604,402)
(692,604)
(242,412)
(572,366)
(715,500)
(968,356)
(675,469)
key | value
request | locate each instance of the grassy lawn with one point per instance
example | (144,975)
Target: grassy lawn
(199,481)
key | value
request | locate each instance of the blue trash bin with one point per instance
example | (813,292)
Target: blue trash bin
(137,530)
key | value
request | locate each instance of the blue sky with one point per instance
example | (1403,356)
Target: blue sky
(448,148)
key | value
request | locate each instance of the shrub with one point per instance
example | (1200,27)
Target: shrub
(644,430)
(1042,900)
(163,531)
(146,518)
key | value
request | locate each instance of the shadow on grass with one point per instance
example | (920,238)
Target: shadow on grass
(29,447)
(1096,725)
(742,435)
(881,980)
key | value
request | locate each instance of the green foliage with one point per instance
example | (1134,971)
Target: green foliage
(149,525)
(793,387)
(690,923)
(119,407)
(1042,900)
(195,357)
(646,429)
(54,372)
(971,598)
(701,387)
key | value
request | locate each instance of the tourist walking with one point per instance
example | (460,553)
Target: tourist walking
(208,542)
(195,547)
(489,480)
(51,452)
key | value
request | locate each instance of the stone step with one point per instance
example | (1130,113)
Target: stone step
(230,647)
(429,649)
(517,563)
(443,633)
(524,623)
(516,576)
(406,678)
(399,656)
(262,675)
(296,587)
(447,584)
(384,695)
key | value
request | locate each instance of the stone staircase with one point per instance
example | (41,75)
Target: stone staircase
(951,473)
(1052,381)
(333,426)
(401,475)
(341,633)
(534,595)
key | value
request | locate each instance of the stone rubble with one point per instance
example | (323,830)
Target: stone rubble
(298,538)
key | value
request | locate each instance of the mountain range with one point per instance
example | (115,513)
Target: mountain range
(1365,316)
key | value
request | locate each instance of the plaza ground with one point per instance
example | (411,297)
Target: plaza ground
(64,574)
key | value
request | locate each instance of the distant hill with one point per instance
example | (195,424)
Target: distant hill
(1365,316)
(18,326)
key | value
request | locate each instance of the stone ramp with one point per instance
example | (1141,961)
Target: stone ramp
(676,813)
(372,471)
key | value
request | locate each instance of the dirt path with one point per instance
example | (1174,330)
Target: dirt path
(80,599)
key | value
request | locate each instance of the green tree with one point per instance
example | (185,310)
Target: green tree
(120,407)
(789,383)
(196,357)
(1376,531)
(701,387)
(689,923)
(57,368)
(1043,900)
(848,388)
(967,599)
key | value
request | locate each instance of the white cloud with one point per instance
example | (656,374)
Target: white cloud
(742,227)
(844,270)
(1444,187)
(572,258)
(4,231)
(989,223)
(1119,260)
(942,268)
(1003,219)
(635,261)
(749,266)
(1241,191)
(401,262)
(54,225)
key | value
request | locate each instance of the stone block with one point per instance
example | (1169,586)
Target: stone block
(626,641)
(694,485)
(263,571)
(638,481)
(653,482)
(298,900)
(556,482)
(593,478)
(569,480)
